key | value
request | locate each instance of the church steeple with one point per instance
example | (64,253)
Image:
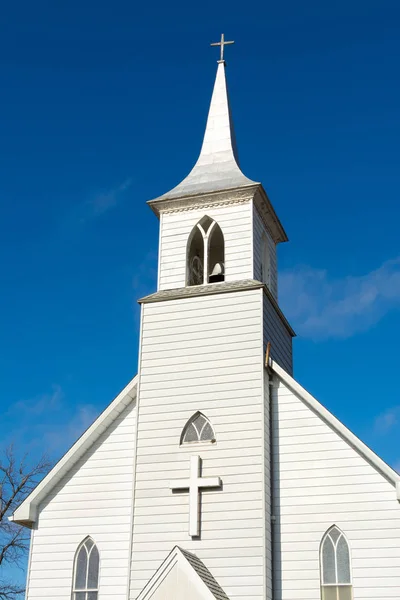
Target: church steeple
(217,225)
(217,167)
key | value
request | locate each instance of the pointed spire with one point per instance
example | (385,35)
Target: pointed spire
(217,167)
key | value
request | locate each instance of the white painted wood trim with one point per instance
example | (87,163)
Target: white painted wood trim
(389,473)
(28,571)
(135,453)
(26,513)
(160,231)
(251,208)
(265,458)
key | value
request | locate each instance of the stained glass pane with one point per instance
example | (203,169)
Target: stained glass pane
(329,592)
(80,596)
(343,561)
(328,562)
(93,573)
(92,596)
(335,534)
(207,433)
(199,422)
(89,543)
(344,592)
(191,434)
(80,571)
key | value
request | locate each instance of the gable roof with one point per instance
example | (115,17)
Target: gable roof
(192,565)
(26,513)
(390,474)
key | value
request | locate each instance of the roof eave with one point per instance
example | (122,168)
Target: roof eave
(26,514)
(369,455)
(269,216)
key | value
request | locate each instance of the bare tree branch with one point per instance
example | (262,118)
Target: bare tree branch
(17,479)
(9,591)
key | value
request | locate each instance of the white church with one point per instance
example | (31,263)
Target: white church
(214,475)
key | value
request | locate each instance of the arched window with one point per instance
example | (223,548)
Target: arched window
(197,429)
(205,253)
(335,566)
(265,261)
(86,571)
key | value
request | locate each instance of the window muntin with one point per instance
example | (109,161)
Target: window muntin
(335,566)
(205,253)
(86,571)
(198,429)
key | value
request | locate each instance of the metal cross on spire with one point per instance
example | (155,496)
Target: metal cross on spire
(222,43)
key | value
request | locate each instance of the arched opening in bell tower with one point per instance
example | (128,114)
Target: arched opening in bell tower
(205,253)
(216,252)
(195,258)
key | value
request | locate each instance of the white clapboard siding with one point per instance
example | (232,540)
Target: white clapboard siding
(276,332)
(95,499)
(319,480)
(235,221)
(225,382)
(259,230)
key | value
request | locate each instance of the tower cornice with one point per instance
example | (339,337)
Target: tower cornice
(236,195)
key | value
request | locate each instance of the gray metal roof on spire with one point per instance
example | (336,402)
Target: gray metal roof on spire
(217,167)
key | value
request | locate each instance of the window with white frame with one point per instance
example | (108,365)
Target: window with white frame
(335,566)
(86,571)
(205,253)
(198,429)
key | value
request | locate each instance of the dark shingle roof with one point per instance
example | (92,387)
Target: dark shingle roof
(205,575)
(203,290)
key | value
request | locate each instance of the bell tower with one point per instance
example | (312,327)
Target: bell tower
(202,473)
(218,225)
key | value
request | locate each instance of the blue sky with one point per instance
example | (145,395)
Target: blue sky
(103,107)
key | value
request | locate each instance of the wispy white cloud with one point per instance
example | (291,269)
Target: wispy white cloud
(105,200)
(387,421)
(320,307)
(60,436)
(46,424)
(97,204)
(38,405)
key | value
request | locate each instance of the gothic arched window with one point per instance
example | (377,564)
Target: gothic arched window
(335,566)
(205,253)
(86,571)
(197,429)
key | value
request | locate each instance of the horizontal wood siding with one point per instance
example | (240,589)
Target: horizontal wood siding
(259,230)
(192,361)
(94,499)
(319,480)
(280,338)
(235,222)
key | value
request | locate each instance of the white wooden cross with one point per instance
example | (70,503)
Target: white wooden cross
(194,484)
